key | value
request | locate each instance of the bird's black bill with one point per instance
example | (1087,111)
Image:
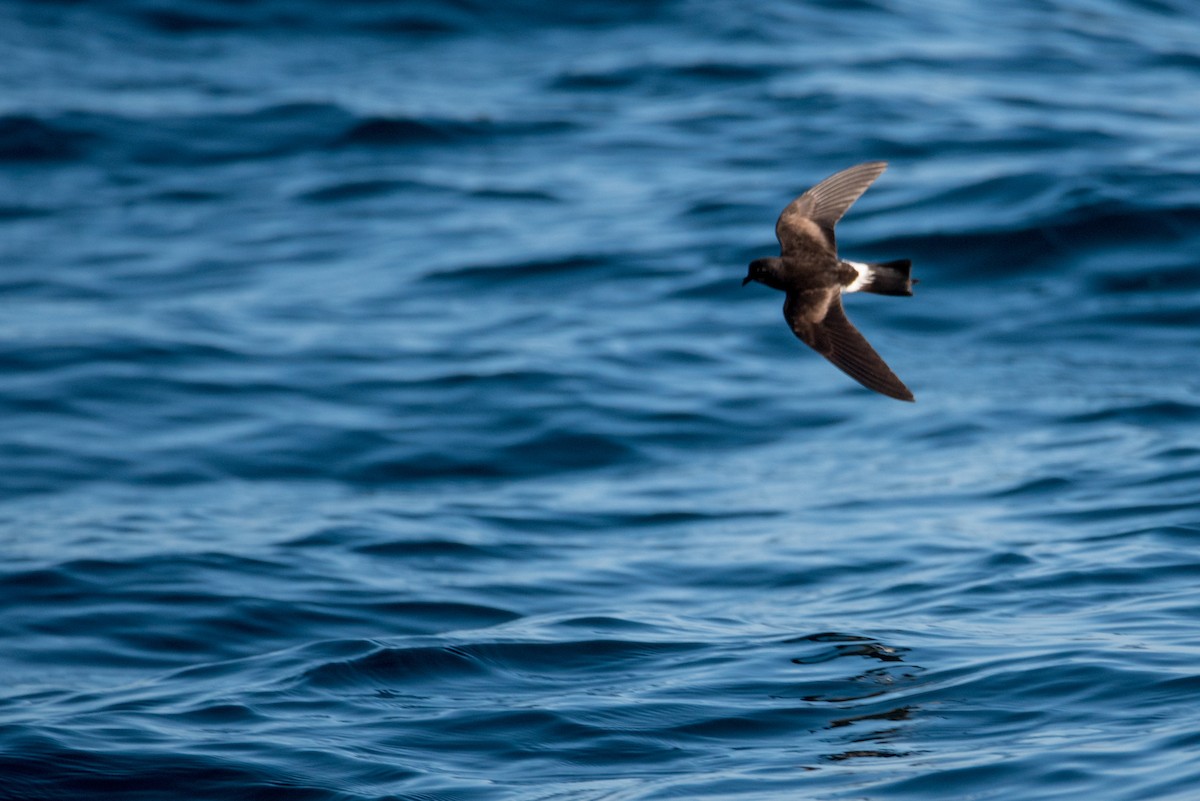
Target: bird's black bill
(746,280)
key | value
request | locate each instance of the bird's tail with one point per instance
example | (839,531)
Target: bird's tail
(889,278)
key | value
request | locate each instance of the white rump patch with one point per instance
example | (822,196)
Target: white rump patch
(864,276)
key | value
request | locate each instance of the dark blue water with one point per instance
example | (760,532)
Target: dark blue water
(383,418)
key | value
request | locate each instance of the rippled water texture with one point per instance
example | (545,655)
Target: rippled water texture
(383,418)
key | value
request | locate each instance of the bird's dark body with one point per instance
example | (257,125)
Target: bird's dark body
(805,271)
(809,270)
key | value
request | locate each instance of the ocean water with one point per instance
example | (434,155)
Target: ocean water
(383,417)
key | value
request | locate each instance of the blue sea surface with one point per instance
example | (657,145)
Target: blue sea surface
(383,417)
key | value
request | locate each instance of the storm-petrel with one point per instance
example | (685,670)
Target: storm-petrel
(809,271)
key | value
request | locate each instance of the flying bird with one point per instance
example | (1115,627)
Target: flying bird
(809,270)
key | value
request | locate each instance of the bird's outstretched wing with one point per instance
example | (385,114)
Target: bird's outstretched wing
(813,215)
(817,318)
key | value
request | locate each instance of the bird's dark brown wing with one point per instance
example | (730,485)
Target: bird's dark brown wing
(811,217)
(818,319)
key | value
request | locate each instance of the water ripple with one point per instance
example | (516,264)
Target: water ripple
(384,417)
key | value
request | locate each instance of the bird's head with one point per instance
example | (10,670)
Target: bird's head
(764,271)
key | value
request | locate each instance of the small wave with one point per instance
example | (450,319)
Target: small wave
(42,767)
(21,212)
(357,190)
(534,453)
(402,131)
(1153,413)
(1156,279)
(429,549)
(379,131)
(419,18)
(188,18)
(424,18)
(649,74)
(263,132)
(1054,243)
(462,665)
(184,20)
(571,266)
(504,193)
(257,133)
(846,645)
(35,139)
